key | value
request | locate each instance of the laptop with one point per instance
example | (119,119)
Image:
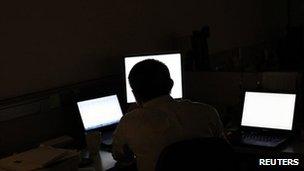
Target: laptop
(101,114)
(267,118)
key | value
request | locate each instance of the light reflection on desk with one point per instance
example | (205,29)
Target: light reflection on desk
(107,160)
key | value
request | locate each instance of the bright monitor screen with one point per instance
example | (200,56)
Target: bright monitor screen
(172,61)
(268,110)
(100,112)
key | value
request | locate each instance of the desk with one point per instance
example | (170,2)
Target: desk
(248,155)
(293,149)
(70,164)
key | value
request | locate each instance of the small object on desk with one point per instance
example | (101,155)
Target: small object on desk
(93,140)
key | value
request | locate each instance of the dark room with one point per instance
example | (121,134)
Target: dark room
(146,85)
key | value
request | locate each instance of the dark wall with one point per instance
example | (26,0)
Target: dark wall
(296,12)
(50,44)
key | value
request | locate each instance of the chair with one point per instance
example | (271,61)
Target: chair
(197,154)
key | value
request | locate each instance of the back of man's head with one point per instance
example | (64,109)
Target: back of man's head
(150,79)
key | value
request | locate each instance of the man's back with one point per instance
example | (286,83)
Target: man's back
(162,121)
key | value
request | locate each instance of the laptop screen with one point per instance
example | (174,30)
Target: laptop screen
(268,110)
(100,112)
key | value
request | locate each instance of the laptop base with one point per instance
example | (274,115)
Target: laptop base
(263,140)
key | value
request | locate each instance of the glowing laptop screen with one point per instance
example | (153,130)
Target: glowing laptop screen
(268,110)
(100,112)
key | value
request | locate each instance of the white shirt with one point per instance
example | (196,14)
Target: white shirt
(162,121)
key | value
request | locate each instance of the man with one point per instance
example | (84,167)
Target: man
(160,120)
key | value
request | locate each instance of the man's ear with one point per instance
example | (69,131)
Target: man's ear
(171,83)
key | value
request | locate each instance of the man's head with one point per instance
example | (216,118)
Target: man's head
(150,79)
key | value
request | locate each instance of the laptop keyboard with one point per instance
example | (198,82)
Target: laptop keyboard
(262,140)
(262,137)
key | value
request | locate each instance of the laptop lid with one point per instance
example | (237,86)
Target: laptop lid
(100,112)
(268,110)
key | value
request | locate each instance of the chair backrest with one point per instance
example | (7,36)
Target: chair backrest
(197,154)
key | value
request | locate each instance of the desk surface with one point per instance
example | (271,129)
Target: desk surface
(295,147)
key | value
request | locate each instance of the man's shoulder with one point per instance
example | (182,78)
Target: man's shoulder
(135,113)
(196,105)
(132,114)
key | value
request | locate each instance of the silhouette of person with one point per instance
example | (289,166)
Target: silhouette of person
(160,120)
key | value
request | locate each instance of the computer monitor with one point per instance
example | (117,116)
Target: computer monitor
(268,110)
(172,61)
(100,112)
